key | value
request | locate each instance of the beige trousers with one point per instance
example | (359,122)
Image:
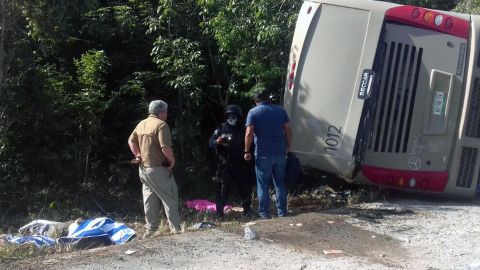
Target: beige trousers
(159,187)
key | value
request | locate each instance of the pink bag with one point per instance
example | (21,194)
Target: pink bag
(204,206)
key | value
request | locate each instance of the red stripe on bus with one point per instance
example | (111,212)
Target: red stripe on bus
(405,14)
(428,181)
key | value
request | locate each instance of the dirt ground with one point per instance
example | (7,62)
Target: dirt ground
(402,234)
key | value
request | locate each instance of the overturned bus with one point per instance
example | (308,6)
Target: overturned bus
(387,94)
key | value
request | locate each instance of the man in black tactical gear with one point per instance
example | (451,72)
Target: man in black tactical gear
(228,142)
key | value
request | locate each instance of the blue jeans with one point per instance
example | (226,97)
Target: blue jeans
(271,170)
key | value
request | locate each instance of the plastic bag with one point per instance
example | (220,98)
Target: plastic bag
(250,234)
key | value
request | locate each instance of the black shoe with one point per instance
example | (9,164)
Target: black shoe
(249,215)
(265,217)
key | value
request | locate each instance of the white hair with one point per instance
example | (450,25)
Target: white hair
(157,106)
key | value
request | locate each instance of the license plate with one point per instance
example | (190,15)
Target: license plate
(439,103)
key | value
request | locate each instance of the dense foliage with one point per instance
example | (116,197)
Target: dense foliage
(76,76)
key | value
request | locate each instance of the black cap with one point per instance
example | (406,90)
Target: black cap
(232,108)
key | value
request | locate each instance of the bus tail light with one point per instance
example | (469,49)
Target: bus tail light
(448,23)
(416,13)
(429,19)
(292,71)
(429,181)
(438,20)
(412,182)
(290,84)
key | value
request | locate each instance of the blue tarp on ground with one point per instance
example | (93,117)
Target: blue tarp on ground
(38,240)
(118,233)
(100,230)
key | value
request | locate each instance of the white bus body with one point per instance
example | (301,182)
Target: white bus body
(387,94)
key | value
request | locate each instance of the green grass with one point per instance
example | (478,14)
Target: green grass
(10,252)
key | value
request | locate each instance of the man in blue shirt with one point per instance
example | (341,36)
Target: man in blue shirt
(269,125)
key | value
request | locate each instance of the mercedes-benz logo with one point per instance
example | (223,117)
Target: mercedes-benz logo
(414,163)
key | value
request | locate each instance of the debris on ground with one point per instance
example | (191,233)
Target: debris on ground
(369,216)
(337,196)
(129,252)
(404,239)
(202,225)
(234,209)
(328,197)
(373,215)
(250,233)
(249,224)
(333,252)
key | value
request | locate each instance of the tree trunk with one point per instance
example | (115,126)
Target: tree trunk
(87,161)
(3,31)
(180,123)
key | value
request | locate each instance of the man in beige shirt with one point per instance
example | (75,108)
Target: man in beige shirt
(151,144)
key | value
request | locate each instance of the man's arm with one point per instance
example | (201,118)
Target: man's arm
(215,139)
(134,148)
(136,152)
(168,152)
(248,142)
(288,135)
(165,141)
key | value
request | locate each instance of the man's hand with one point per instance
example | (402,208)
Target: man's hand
(171,164)
(247,155)
(168,152)
(219,141)
(136,161)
